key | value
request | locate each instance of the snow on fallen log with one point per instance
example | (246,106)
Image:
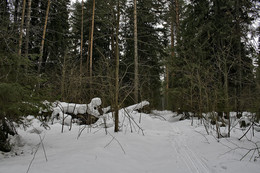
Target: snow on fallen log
(137,106)
(256,127)
(59,108)
(92,107)
(67,120)
(106,110)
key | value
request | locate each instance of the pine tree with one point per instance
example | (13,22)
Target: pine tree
(104,41)
(28,18)
(43,37)
(136,78)
(21,29)
(117,70)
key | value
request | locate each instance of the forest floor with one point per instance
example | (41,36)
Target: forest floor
(167,146)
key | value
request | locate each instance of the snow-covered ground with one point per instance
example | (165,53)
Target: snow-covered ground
(167,146)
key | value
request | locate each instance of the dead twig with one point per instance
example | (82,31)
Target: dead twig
(105,123)
(129,123)
(37,148)
(205,126)
(134,121)
(43,148)
(249,150)
(203,136)
(246,132)
(81,130)
(114,138)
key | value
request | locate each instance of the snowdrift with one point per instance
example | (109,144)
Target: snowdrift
(146,143)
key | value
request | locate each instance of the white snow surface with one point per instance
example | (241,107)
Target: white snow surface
(167,146)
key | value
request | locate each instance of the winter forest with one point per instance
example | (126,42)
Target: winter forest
(130,86)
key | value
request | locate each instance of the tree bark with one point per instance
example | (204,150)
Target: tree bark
(43,37)
(226,87)
(91,47)
(238,40)
(172,29)
(172,54)
(136,78)
(16,11)
(21,29)
(28,28)
(64,65)
(117,70)
(89,36)
(81,40)
(177,9)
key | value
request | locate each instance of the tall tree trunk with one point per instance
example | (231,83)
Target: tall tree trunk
(113,47)
(21,29)
(226,95)
(91,48)
(238,40)
(43,37)
(177,9)
(172,28)
(136,78)
(200,95)
(64,65)
(172,53)
(88,53)
(16,7)
(28,28)
(191,100)
(167,85)
(117,70)
(81,42)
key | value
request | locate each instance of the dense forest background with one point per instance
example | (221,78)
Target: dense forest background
(193,55)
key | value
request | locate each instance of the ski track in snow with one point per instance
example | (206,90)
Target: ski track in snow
(193,161)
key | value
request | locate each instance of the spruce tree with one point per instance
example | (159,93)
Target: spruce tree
(18,97)
(214,54)
(149,49)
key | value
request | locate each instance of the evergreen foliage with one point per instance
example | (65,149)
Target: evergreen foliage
(203,44)
(18,94)
(213,67)
(150,48)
